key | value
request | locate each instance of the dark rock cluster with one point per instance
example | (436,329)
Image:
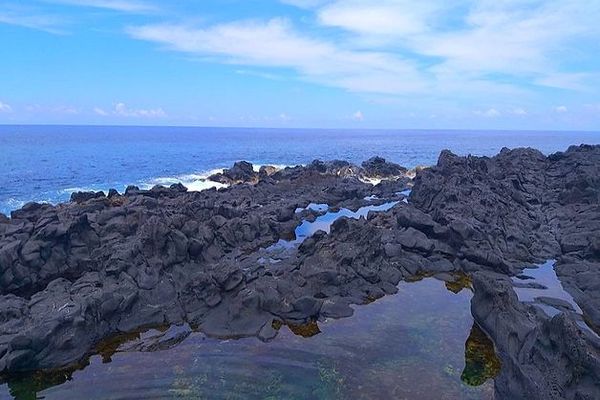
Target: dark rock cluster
(77,273)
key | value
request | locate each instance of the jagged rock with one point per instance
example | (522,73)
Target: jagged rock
(378,167)
(241,172)
(74,274)
(80,197)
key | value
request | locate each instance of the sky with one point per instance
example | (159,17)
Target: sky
(458,64)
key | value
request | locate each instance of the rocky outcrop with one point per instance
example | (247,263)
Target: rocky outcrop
(522,207)
(241,172)
(378,167)
(542,358)
(76,273)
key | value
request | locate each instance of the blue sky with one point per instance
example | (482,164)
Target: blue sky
(501,64)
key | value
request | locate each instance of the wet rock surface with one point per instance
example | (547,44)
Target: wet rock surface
(77,273)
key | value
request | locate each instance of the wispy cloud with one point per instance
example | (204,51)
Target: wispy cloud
(56,109)
(400,47)
(5,108)
(384,18)
(100,111)
(358,116)
(31,18)
(489,113)
(304,3)
(131,6)
(260,74)
(514,38)
(561,109)
(122,110)
(275,43)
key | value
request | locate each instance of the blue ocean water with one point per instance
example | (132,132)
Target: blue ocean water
(48,163)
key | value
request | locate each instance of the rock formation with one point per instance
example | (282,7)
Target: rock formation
(77,273)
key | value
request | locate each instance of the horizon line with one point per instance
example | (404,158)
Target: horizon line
(296,128)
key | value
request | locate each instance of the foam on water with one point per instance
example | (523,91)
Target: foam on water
(257,167)
(72,190)
(194,182)
(14,204)
(372,181)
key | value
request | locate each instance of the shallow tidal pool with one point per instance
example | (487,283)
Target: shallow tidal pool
(418,344)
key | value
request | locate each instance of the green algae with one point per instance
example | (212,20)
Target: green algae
(481,360)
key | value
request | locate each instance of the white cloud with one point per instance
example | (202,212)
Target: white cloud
(276,44)
(32,19)
(437,48)
(358,116)
(264,75)
(489,113)
(133,6)
(519,111)
(100,111)
(561,109)
(387,17)
(43,109)
(304,3)
(122,110)
(5,108)
(519,39)
(66,110)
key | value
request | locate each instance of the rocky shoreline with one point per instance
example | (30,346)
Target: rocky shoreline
(75,274)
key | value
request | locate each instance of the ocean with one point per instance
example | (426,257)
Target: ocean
(48,163)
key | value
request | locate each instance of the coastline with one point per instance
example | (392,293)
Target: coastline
(121,262)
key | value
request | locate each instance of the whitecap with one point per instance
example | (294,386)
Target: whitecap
(278,167)
(195,182)
(372,181)
(75,190)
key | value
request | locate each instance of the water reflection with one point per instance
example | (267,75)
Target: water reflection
(418,344)
(540,284)
(323,223)
(541,287)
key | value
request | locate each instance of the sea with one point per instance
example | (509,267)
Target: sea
(48,163)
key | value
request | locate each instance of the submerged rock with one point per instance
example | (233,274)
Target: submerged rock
(481,361)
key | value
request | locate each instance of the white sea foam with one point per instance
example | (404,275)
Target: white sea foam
(257,167)
(14,204)
(75,190)
(195,182)
(372,181)
(11,204)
